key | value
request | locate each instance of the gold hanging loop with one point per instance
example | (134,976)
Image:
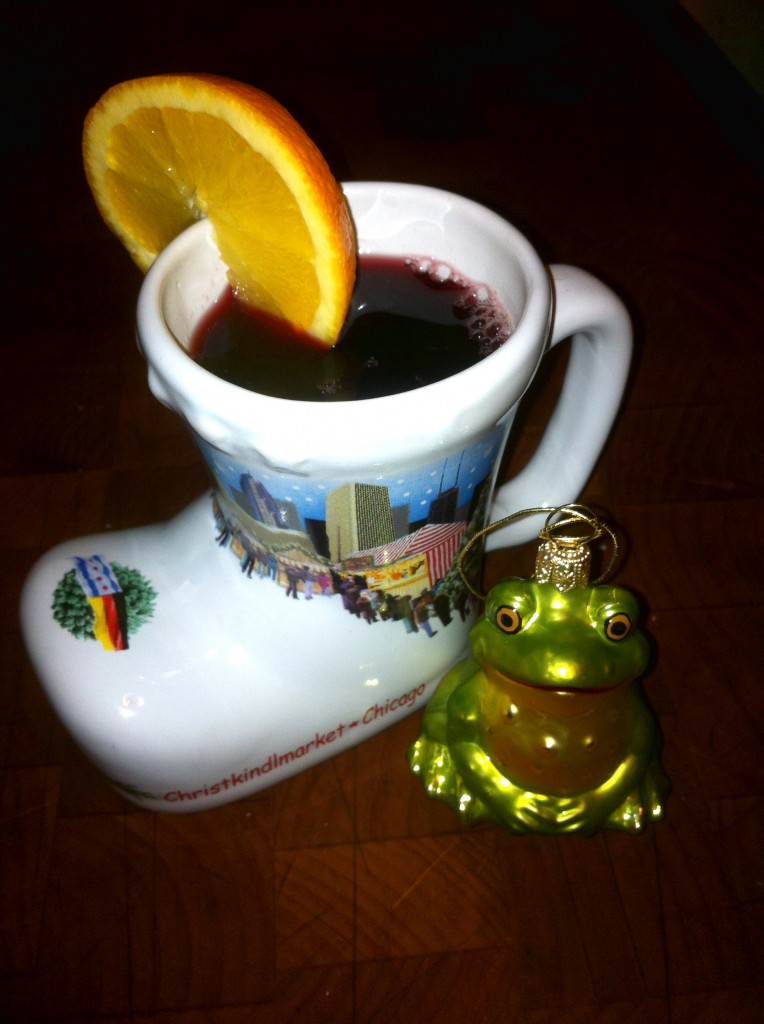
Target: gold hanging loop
(563,558)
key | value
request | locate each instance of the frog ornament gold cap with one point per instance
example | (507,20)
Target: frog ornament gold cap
(543,727)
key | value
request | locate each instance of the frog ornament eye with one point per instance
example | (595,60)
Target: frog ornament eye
(508,619)
(617,627)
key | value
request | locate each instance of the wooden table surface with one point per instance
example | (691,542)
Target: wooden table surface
(619,141)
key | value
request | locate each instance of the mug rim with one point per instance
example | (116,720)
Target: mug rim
(220,411)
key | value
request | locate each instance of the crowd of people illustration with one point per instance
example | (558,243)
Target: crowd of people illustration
(432,607)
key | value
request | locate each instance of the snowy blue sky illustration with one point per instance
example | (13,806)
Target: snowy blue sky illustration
(415,489)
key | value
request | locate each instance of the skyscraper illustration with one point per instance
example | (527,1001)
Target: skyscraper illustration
(443,508)
(266,509)
(401,520)
(358,517)
(260,504)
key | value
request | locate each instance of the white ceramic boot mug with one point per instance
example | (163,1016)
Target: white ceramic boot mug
(315,599)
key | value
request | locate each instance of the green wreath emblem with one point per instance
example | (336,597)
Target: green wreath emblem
(72,611)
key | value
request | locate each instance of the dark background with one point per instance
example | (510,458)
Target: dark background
(621,140)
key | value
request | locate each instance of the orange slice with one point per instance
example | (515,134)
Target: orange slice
(164,151)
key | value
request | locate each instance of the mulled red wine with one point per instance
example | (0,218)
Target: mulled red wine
(412,322)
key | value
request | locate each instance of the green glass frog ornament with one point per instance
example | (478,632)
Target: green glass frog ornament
(543,727)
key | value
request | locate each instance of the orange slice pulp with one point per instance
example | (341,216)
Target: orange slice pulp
(164,151)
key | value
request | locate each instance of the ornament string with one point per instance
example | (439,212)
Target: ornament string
(563,558)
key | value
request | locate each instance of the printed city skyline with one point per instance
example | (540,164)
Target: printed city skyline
(436,493)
